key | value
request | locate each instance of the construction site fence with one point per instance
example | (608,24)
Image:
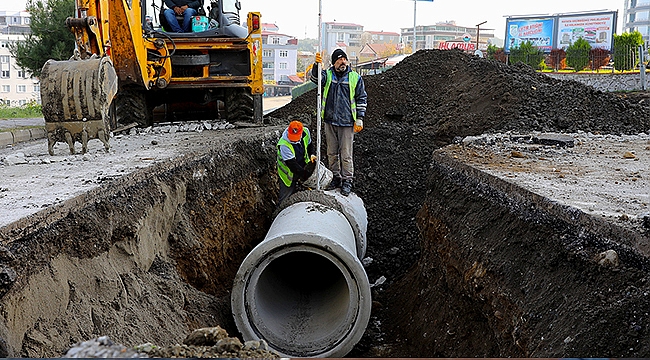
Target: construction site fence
(622,58)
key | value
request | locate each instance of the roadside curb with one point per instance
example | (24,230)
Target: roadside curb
(10,138)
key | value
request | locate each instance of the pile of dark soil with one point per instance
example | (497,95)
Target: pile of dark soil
(423,103)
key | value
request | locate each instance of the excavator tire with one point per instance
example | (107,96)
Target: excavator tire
(239,106)
(131,106)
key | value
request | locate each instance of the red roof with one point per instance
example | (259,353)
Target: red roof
(295,78)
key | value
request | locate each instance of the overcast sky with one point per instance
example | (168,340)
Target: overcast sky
(299,18)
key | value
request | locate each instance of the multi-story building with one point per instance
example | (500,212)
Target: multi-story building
(380,37)
(636,15)
(279,60)
(17,86)
(345,36)
(430,36)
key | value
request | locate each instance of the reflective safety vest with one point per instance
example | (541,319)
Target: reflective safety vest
(353,79)
(283,170)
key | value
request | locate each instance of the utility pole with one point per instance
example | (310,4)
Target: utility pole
(414,22)
(478,26)
(415,41)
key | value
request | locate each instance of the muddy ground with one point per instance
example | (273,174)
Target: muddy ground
(423,103)
(454,254)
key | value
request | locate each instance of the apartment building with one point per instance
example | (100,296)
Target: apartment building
(279,61)
(345,36)
(636,15)
(17,86)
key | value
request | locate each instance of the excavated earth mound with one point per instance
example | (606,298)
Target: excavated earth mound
(421,104)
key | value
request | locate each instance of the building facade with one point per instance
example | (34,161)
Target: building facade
(431,36)
(279,61)
(17,86)
(636,15)
(345,36)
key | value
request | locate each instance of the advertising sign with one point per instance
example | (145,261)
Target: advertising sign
(462,45)
(597,29)
(538,31)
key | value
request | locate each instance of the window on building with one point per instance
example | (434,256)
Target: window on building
(37,88)
(268,76)
(340,37)
(4,59)
(267,65)
(27,21)
(21,88)
(22,102)
(22,74)
(283,65)
(284,53)
(6,88)
(267,53)
(276,41)
(4,74)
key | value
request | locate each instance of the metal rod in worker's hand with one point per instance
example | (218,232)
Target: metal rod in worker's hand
(318,106)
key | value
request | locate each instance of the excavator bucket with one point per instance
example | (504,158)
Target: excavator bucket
(76,97)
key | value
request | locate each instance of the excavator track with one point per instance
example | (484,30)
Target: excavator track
(76,96)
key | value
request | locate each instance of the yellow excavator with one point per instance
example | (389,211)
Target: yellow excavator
(126,68)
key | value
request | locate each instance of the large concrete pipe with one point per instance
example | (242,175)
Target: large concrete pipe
(303,289)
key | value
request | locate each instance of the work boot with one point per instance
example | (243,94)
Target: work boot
(346,187)
(335,183)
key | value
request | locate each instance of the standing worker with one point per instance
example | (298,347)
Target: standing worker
(343,109)
(295,153)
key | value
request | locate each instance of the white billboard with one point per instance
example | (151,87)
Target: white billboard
(596,28)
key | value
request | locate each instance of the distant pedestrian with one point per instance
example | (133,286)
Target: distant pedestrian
(343,109)
(295,154)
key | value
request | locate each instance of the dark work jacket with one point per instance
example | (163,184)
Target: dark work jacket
(338,109)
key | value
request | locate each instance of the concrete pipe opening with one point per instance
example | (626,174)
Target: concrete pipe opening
(303,289)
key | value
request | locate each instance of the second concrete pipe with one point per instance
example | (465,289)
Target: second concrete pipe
(303,289)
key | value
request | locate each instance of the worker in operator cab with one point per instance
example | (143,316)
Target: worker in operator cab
(185,8)
(295,158)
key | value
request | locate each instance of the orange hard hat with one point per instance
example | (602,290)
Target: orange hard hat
(295,131)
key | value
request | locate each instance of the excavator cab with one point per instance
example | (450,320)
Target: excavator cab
(163,21)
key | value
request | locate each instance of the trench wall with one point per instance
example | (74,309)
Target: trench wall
(146,258)
(504,272)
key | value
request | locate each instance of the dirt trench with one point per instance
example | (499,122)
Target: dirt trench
(145,258)
(473,266)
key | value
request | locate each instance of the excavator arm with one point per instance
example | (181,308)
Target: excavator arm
(77,94)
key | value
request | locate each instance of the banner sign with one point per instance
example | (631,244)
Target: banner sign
(537,31)
(559,31)
(597,29)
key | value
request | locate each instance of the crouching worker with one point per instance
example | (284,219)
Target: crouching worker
(295,158)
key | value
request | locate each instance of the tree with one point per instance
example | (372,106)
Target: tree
(625,50)
(527,54)
(50,37)
(577,54)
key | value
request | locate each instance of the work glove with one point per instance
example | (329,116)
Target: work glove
(309,169)
(358,125)
(313,158)
(319,58)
